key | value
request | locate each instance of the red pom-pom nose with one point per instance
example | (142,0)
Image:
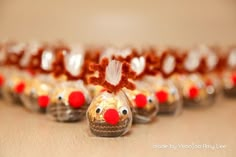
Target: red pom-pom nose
(76,99)
(19,88)
(111,116)
(1,80)
(193,92)
(43,101)
(140,100)
(234,78)
(162,96)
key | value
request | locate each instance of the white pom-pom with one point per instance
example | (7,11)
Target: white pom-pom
(138,64)
(113,72)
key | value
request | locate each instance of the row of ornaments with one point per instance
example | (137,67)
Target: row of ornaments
(113,87)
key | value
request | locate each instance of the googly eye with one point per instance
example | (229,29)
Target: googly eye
(150,99)
(99,110)
(124,110)
(60,97)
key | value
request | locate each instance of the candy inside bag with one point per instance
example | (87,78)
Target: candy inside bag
(69,102)
(143,102)
(194,91)
(168,95)
(109,114)
(36,96)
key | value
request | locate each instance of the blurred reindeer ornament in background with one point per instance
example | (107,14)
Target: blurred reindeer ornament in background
(167,92)
(144,102)
(193,85)
(70,99)
(229,74)
(13,84)
(38,87)
(208,71)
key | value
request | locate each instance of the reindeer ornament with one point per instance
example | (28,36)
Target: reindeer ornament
(13,84)
(192,83)
(229,75)
(167,92)
(208,70)
(38,62)
(36,94)
(143,100)
(70,99)
(109,114)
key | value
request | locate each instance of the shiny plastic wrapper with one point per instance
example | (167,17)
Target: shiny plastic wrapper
(69,102)
(109,115)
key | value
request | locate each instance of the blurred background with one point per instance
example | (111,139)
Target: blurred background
(121,22)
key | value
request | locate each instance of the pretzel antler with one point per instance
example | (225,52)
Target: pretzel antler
(125,73)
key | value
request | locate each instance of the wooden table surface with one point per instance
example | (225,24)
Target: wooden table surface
(26,134)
